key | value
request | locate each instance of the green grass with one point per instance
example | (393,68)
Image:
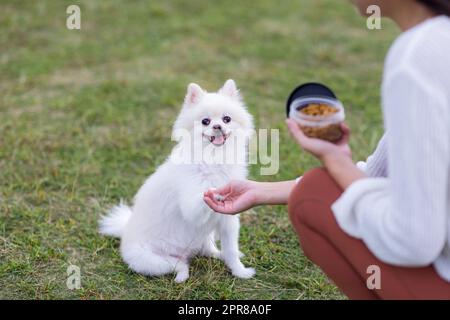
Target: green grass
(86,116)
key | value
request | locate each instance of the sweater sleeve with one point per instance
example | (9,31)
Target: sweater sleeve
(376,163)
(402,218)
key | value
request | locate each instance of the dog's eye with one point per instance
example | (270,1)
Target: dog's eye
(226,119)
(206,121)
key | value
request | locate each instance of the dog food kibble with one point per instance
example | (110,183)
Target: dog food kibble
(331,132)
(318,109)
(219,197)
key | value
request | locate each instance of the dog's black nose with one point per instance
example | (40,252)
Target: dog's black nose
(217,127)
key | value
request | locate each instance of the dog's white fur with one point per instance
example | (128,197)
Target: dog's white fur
(169,222)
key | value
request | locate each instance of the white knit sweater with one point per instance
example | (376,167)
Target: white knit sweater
(402,211)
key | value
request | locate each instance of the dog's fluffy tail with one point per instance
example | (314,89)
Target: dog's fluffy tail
(115,221)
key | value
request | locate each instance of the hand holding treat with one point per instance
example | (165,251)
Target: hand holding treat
(322,149)
(235,197)
(316,110)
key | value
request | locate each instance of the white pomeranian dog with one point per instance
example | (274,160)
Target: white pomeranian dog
(169,222)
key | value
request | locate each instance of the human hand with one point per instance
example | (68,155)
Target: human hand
(233,198)
(321,149)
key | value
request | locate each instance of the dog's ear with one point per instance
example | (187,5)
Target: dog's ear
(194,94)
(230,89)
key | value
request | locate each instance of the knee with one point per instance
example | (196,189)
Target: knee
(315,186)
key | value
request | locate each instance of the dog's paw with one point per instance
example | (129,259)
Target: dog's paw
(244,273)
(212,253)
(215,254)
(181,277)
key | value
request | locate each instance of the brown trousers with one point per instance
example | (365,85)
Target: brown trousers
(344,259)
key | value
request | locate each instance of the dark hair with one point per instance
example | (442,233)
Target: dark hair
(438,6)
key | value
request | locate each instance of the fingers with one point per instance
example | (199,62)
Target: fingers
(304,141)
(294,130)
(345,134)
(215,197)
(293,127)
(209,193)
(217,206)
(345,129)
(226,189)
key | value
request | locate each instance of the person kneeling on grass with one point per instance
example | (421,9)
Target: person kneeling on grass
(393,211)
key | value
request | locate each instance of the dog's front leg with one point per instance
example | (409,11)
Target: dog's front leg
(229,239)
(194,209)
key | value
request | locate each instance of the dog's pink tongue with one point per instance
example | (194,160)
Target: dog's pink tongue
(218,140)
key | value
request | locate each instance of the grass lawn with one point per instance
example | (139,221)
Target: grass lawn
(86,116)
